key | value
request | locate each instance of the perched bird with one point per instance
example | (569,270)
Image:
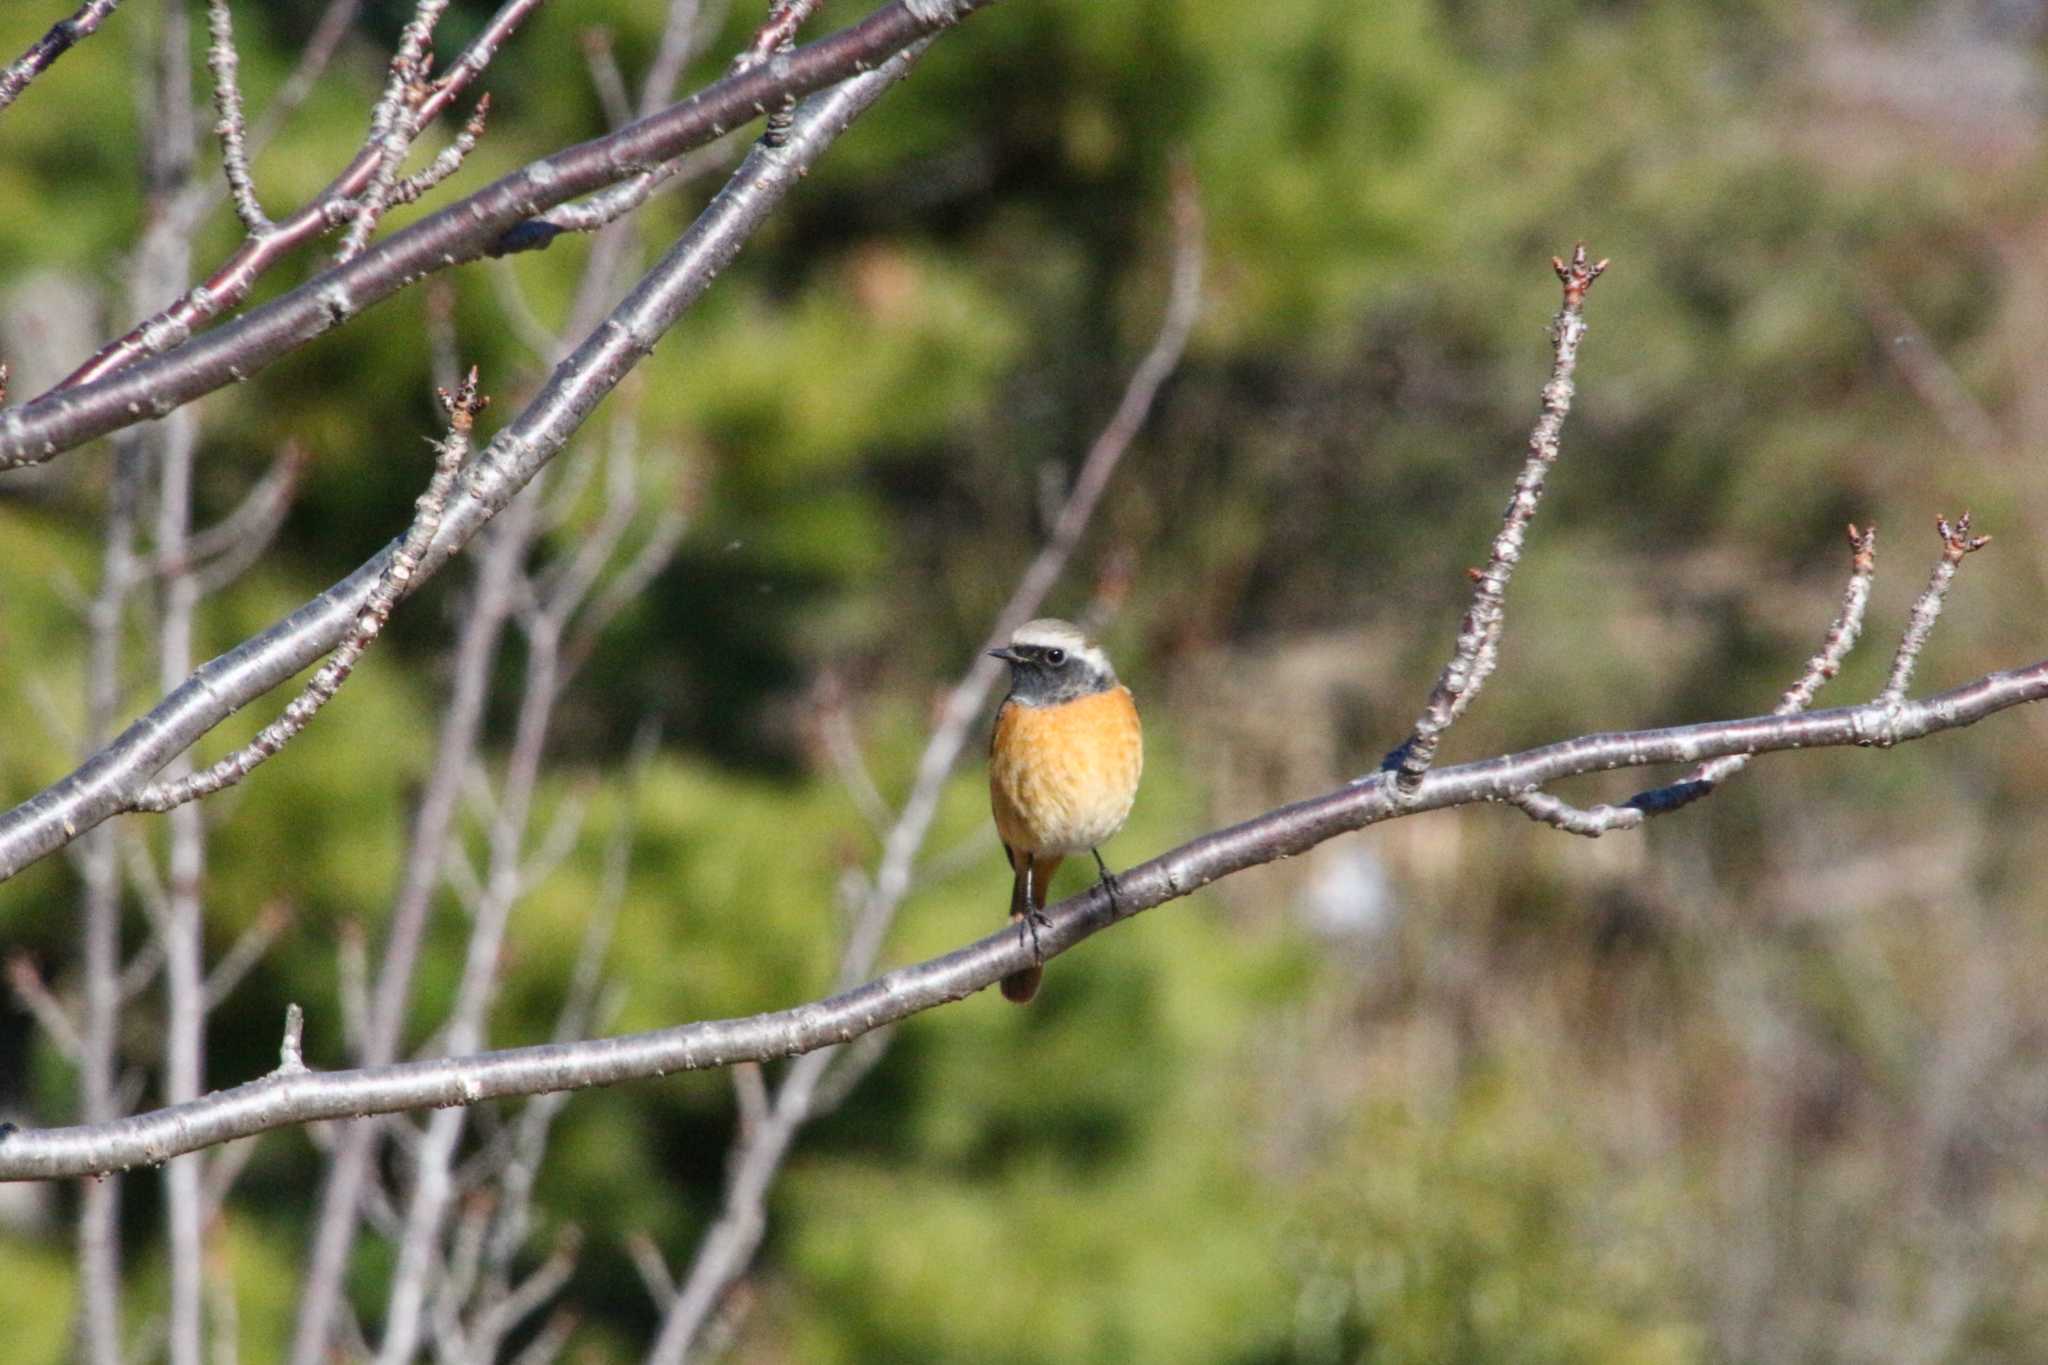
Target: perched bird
(1063,765)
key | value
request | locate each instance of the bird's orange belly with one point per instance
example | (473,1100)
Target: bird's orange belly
(1061,778)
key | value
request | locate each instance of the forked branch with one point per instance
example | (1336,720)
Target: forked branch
(283,1099)
(1478,647)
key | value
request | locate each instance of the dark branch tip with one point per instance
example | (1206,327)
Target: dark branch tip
(464,403)
(1577,274)
(1956,539)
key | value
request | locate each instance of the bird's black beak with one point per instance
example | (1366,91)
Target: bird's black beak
(1007,655)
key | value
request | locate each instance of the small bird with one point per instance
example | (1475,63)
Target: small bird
(1063,765)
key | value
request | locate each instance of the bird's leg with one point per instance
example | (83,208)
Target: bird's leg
(1034,898)
(1108,883)
(1033,915)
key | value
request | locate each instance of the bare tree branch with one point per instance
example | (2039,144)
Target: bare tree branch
(1956,541)
(526,1297)
(109,781)
(280,1100)
(689,26)
(605,77)
(450,159)
(392,584)
(46,1009)
(528,443)
(785,18)
(1841,637)
(232,282)
(1932,378)
(169,446)
(98,400)
(549,1343)
(62,37)
(106,984)
(397,121)
(223,61)
(1479,633)
(653,1270)
(433,1185)
(351,1187)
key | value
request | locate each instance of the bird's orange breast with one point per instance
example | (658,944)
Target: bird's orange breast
(1061,778)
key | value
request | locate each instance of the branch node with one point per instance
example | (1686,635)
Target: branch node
(291,1057)
(465,403)
(1956,540)
(1577,276)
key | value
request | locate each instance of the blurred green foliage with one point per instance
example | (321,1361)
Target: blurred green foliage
(1760,1084)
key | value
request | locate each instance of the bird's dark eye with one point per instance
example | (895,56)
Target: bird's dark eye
(1055,657)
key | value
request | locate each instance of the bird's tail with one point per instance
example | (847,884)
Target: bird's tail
(1027,896)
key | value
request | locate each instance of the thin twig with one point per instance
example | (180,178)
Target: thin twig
(351,1182)
(654,1271)
(352,973)
(785,19)
(1905,343)
(221,59)
(142,969)
(529,1295)
(833,724)
(750,1093)
(579,1007)
(552,1339)
(38,431)
(688,27)
(61,38)
(106,985)
(395,123)
(168,448)
(433,1183)
(1956,542)
(396,581)
(510,872)
(254,519)
(222,1172)
(1479,633)
(48,1011)
(450,159)
(521,449)
(624,587)
(1841,637)
(607,206)
(605,77)
(234,280)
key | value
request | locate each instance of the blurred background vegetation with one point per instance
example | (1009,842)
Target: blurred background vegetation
(1768,1081)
